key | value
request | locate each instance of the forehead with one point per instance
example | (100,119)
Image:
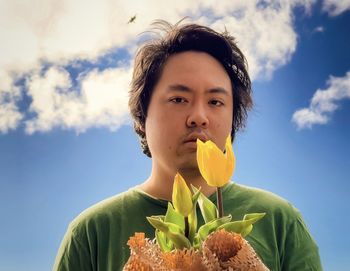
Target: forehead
(196,70)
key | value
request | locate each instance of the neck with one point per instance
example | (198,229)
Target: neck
(160,183)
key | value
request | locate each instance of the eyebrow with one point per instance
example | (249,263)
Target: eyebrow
(183,88)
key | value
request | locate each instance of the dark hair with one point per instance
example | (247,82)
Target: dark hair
(152,56)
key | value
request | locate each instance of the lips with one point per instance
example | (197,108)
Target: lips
(193,138)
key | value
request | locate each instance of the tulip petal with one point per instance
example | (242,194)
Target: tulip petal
(181,197)
(215,167)
(231,159)
(200,158)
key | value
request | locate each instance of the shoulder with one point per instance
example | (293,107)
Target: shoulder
(260,196)
(107,210)
(98,224)
(258,200)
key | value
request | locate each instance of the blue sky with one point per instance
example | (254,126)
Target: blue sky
(65,136)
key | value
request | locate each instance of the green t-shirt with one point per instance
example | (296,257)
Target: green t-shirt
(97,238)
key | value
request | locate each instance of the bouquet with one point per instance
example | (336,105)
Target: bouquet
(179,244)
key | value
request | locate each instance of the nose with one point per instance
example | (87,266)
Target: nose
(197,117)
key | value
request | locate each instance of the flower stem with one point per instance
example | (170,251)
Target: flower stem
(187,227)
(219,201)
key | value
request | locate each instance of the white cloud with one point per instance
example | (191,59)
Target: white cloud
(335,7)
(60,32)
(9,95)
(102,101)
(266,36)
(323,103)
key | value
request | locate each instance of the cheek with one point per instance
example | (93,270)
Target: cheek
(160,132)
(223,123)
(221,129)
(157,126)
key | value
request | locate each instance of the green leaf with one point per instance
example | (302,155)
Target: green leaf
(192,221)
(162,241)
(157,223)
(172,231)
(195,190)
(197,242)
(173,216)
(208,208)
(161,217)
(254,217)
(195,196)
(211,226)
(245,226)
(192,218)
(247,230)
(236,226)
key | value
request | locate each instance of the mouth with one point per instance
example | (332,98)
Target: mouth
(191,145)
(191,140)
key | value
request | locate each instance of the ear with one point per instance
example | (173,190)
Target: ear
(143,128)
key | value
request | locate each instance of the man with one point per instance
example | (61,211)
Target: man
(191,83)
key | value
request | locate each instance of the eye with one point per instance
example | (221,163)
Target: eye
(216,103)
(178,100)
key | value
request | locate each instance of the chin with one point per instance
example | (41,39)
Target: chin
(189,167)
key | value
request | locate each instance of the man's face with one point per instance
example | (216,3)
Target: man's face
(192,99)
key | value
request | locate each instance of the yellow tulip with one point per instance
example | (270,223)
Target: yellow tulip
(216,167)
(182,197)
